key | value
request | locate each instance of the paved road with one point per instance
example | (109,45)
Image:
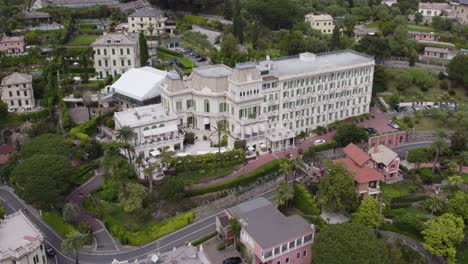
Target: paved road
(176,239)
(401,150)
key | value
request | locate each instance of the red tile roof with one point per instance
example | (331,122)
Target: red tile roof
(361,174)
(6,149)
(356,154)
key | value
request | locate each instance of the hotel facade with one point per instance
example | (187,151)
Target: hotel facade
(272,101)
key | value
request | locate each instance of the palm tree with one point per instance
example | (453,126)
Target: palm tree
(149,171)
(236,229)
(461,159)
(433,203)
(284,193)
(296,163)
(87,100)
(285,168)
(439,146)
(166,157)
(73,243)
(126,134)
(70,212)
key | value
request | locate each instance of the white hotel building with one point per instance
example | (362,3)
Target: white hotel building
(272,101)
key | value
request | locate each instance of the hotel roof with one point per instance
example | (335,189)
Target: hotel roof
(213,71)
(305,64)
(140,83)
(144,115)
(146,13)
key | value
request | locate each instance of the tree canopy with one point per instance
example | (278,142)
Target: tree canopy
(144,55)
(348,243)
(367,213)
(51,144)
(43,180)
(171,188)
(137,193)
(350,133)
(457,69)
(336,189)
(458,205)
(443,234)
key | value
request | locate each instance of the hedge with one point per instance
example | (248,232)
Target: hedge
(322,147)
(303,200)
(196,20)
(19,118)
(204,238)
(242,180)
(89,127)
(56,221)
(170,52)
(82,173)
(207,161)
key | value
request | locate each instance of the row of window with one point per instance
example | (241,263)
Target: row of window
(17,85)
(325,77)
(304,254)
(249,92)
(286,247)
(20,103)
(271,85)
(104,51)
(114,63)
(18,93)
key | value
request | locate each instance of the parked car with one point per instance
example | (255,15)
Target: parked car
(50,251)
(186,50)
(201,59)
(393,125)
(319,141)
(232,260)
(404,108)
(371,130)
(397,108)
(416,108)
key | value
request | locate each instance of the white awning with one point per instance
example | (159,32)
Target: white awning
(160,130)
(155,153)
(262,127)
(255,129)
(206,121)
(248,131)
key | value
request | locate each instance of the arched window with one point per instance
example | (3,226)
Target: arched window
(155,126)
(207,106)
(146,128)
(161,125)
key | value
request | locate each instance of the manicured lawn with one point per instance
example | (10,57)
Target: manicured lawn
(420,28)
(374,24)
(55,220)
(464,176)
(82,173)
(136,230)
(396,190)
(82,40)
(191,177)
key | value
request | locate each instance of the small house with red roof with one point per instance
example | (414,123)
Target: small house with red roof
(5,152)
(387,162)
(361,164)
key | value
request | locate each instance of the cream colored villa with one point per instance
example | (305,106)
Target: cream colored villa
(141,20)
(17,92)
(323,23)
(270,102)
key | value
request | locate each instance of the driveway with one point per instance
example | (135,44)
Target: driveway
(211,34)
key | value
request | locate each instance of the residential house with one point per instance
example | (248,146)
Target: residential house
(387,162)
(438,53)
(5,152)
(389,2)
(391,140)
(115,53)
(17,92)
(138,87)
(272,101)
(154,130)
(323,23)
(142,20)
(12,45)
(360,31)
(429,10)
(423,36)
(269,236)
(20,241)
(460,11)
(366,176)
(32,17)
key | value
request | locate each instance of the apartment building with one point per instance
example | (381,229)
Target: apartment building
(323,23)
(460,11)
(12,45)
(115,53)
(272,101)
(154,129)
(17,92)
(142,21)
(20,241)
(269,236)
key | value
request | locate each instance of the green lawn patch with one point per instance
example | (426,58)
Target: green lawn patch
(82,40)
(185,62)
(132,229)
(56,221)
(420,28)
(464,176)
(191,177)
(426,123)
(396,190)
(82,173)
(303,200)
(374,24)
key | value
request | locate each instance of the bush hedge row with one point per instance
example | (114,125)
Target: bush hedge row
(303,200)
(88,128)
(19,118)
(207,161)
(242,180)
(204,238)
(322,147)
(170,52)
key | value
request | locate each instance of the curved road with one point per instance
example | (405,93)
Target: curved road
(166,243)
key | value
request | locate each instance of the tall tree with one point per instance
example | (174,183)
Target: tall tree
(283,194)
(350,133)
(348,243)
(171,189)
(442,235)
(286,168)
(148,171)
(73,243)
(3,108)
(457,205)
(238,23)
(418,156)
(2,211)
(336,38)
(462,159)
(151,29)
(459,139)
(236,229)
(70,212)
(336,189)
(254,35)
(126,135)
(134,200)
(144,55)
(367,213)
(457,69)
(439,146)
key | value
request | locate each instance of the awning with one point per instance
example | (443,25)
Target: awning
(250,148)
(155,153)
(160,130)
(262,127)
(248,131)
(206,121)
(255,129)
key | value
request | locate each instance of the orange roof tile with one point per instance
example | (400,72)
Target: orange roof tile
(361,174)
(356,154)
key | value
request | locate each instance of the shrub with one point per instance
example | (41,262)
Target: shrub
(322,147)
(240,144)
(189,138)
(56,221)
(205,137)
(168,51)
(303,200)
(241,180)
(452,92)
(444,85)
(204,238)
(426,175)
(224,140)
(221,246)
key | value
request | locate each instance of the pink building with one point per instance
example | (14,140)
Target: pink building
(390,140)
(269,236)
(12,45)
(437,53)
(387,162)
(366,176)
(424,36)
